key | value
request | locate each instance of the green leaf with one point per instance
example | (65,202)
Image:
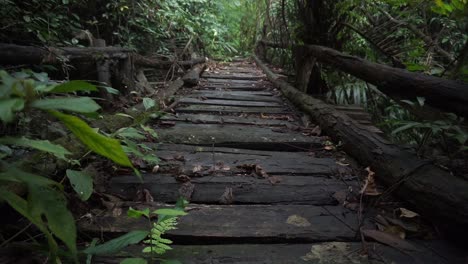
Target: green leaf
(110,90)
(8,107)
(134,261)
(21,206)
(42,145)
(51,204)
(107,147)
(89,258)
(115,245)
(148,103)
(133,213)
(130,132)
(79,105)
(74,86)
(82,183)
(405,127)
(16,175)
(169,212)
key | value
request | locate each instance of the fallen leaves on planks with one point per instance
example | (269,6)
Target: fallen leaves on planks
(227,197)
(370,187)
(389,240)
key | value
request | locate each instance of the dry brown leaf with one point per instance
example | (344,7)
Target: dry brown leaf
(144,196)
(261,172)
(155,169)
(182,178)
(328,148)
(407,225)
(390,240)
(227,197)
(274,179)
(186,190)
(197,168)
(116,212)
(370,187)
(395,230)
(179,158)
(342,164)
(317,131)
(405,213)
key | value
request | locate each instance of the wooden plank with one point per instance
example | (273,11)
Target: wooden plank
(230,109)
(196,101)
(273,162)
(221,87)
(245,189)
(236,135)
(217,119)
(224,81)
(240,223)
(240,96)
(317,253)
(232,76)
(266,94)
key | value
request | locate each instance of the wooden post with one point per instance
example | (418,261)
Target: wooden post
(103,70)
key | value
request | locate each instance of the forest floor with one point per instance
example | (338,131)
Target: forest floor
(264,185)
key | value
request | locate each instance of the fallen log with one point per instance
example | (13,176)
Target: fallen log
(192,77)
(447,95)
(11,54)
(158,64)
(428,189)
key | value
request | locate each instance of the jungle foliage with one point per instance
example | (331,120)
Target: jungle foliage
(421,36)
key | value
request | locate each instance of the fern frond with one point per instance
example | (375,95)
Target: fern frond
(158,244)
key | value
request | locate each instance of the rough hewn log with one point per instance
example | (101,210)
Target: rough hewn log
(192,77)
(429,189)
(447,95)
(152,63)
(11,54)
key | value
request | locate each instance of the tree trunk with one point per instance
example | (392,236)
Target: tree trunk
(158,64)
(430,190)
(448,95)
(192,77)
(11,54)
(103,71)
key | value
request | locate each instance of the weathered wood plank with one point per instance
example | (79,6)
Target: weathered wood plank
(224,81)
(245,189)
(220,102)
(230,109)
(216,119)
(273,162)
(236,135)
(241,223)
(317,253)
(232,76)
(240,96)
(227,87)
(266,94)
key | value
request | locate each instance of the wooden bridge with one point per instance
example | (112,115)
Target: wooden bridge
(265,185)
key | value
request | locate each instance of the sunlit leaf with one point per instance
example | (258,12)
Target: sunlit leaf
(107,147)
(79,105)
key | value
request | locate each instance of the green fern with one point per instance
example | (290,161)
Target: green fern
(156,243)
